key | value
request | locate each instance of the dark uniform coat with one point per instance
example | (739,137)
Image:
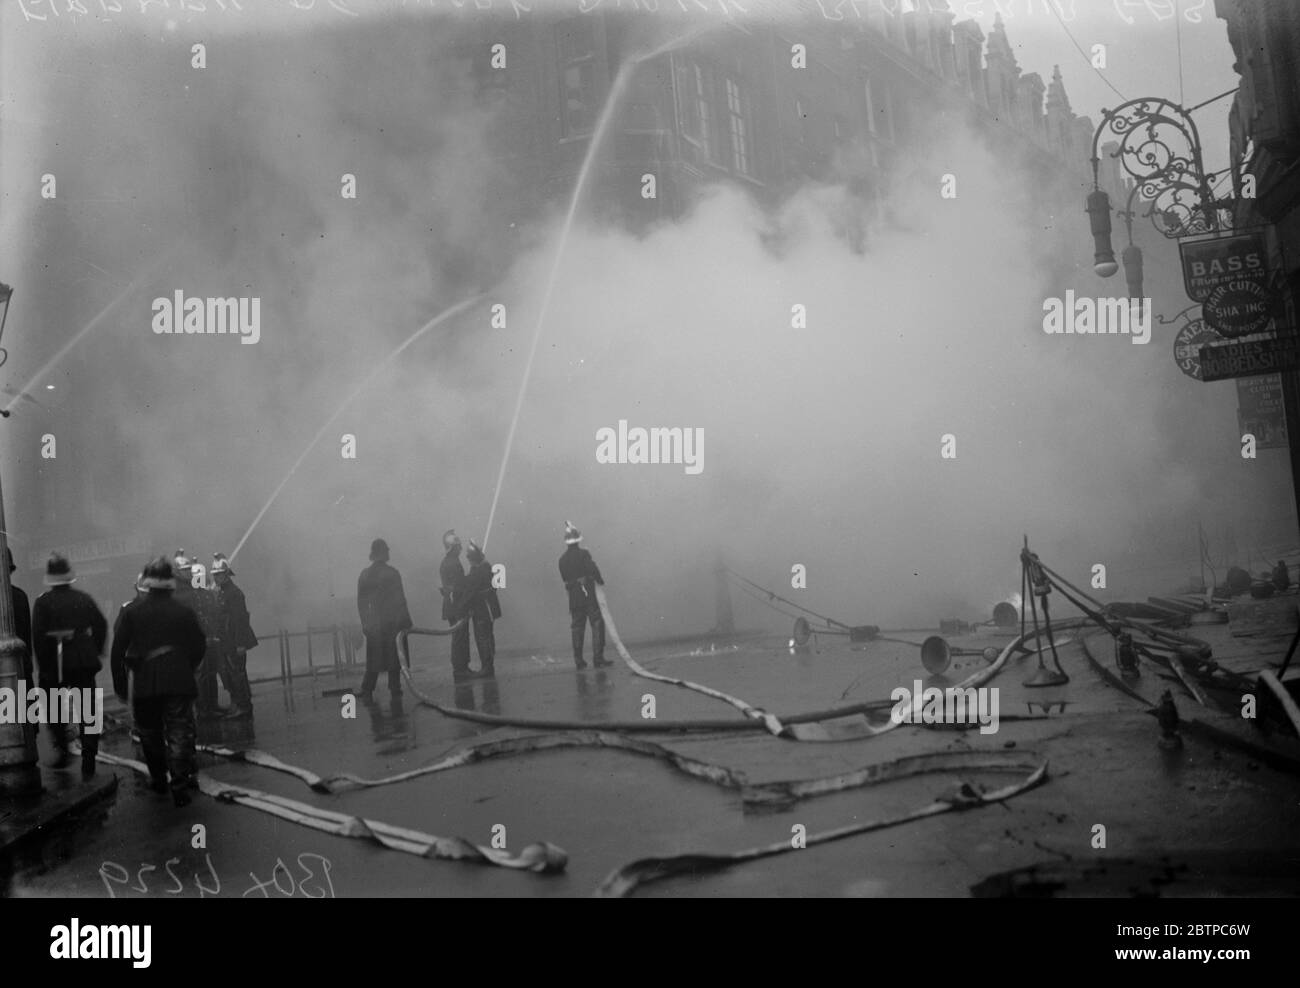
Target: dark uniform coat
(381,601)
(479,592)
(64,609)
(579,572)
(23,627)
(234,626)
(204,605)
(161,642)
(452,575)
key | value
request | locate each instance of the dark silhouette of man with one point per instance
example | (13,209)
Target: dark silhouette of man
(158,644)
(69,632)
(452,575)
(22,618)
(235,638)
(580,575)
(483,607)
(381,602)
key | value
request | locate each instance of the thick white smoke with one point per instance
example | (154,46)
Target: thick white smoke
(822,444)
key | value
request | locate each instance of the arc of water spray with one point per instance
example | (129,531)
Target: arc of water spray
(88,328)
(456,309)
(606,115)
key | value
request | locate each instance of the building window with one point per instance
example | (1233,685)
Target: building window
(697,108)
(739,131)
(703,112)
(577,45)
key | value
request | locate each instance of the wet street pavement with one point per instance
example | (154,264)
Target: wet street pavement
(606,808)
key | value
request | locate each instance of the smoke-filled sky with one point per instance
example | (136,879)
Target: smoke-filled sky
(822,443)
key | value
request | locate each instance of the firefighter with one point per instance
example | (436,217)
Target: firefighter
(381,602)
(141,592)
(22,618)
(69,633)
(483,607)
(158,643)
(580,575)
(1281,577)
(235,638)
(452,575)
(203,603)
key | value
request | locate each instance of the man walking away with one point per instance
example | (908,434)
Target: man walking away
(483,607)
(452,575)
(159,642)
(236,638)
(381,602)
(69,633)
(580,575)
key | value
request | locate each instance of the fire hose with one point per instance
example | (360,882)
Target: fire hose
(545,857)
(628,878)
(765,795)
(542,857)
(758,720)
(484,750)
(630,726)
(771,723)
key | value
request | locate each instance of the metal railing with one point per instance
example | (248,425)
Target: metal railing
(339,654)
(336,654)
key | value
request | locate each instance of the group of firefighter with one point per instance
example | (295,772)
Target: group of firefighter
(174,640)
(171,643)
(469,603)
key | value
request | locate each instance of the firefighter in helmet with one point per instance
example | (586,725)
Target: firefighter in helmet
(204,605)
(452,575)
(68,632)
(483,607)
(580,575)
(157,645)
(235,638)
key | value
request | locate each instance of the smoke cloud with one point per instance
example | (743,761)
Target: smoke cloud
(822,443)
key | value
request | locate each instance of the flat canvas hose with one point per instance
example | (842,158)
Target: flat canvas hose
(766,795)
(788,729)
(542,857)
(770,722)
(627,879)
(481,751)
(631,726)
